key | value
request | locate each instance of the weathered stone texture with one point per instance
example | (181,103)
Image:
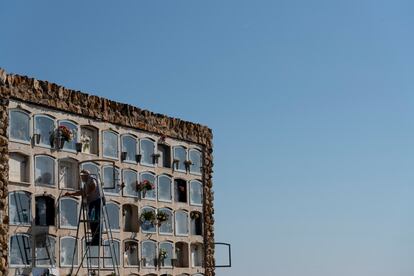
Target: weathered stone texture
(53,96)
(4,174)
(208,212)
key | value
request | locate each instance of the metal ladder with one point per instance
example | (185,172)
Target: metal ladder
(25,246)
(103,223)
(45,244)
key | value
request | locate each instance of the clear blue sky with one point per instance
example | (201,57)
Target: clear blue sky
(311,104)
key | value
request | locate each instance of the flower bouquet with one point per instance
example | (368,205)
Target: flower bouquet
(144,186)
(163,254)
(161,217)
(61,135)
(65,133)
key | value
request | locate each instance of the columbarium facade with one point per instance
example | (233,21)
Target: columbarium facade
(156,174)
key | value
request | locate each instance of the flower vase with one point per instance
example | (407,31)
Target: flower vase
(58,142)
(86,148)
(79,147)
(147,225)
(61,143)
(36,138)
(123,155)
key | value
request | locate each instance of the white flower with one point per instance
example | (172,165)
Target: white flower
(85,139)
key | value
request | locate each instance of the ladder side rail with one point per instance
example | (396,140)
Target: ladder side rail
(25,247)
(19,205)
(87,239)
(86,248)
(108,230)
(111,244)
(77,235)
(47,245)
(84,238)
(100,182)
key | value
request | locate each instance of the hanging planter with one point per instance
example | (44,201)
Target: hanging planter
(175,164)
(155,158)
(123,155)
(78,147)
(36,138)
(187,164)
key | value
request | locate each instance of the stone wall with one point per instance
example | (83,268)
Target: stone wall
(4,176)
(56,97)
(208,212)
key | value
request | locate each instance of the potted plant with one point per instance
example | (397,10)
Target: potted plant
(144,186)
(147,217)
(161,217)
(195,215)
(138,157)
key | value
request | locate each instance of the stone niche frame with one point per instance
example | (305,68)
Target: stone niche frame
(56,97)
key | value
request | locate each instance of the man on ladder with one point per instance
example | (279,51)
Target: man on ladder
(92,194)
(94,213)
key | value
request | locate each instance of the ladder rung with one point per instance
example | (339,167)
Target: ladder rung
(102,245)
(99,257)
(88,220)
(103,232)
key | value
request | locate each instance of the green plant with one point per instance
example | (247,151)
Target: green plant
(147,216)
(195,215)
(163,254)
(162,216)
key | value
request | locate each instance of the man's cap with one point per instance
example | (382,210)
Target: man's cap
(84,172)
